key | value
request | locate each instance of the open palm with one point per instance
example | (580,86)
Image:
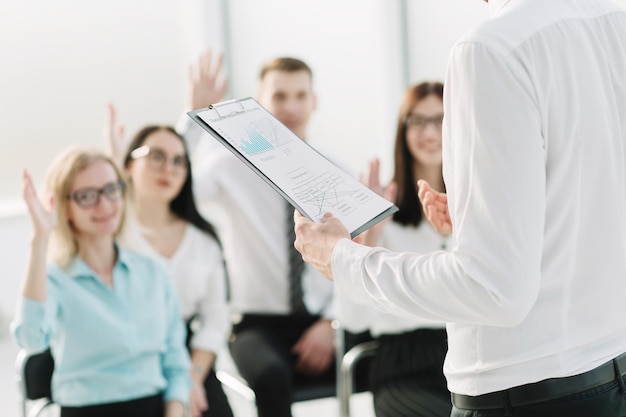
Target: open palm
(43,219)
(371,236)
(206,84)
(113,133)
(435,207)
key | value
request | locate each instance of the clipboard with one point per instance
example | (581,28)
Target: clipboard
(298,172)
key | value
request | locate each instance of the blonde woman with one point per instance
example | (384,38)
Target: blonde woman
(110,316)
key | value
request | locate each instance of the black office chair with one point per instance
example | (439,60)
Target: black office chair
(34,376)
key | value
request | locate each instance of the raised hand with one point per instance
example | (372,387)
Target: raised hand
(372,179)
(113,133)
(206,85)
(371,236)
(43,219)
(435,207)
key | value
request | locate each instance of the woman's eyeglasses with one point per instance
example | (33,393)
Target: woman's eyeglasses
(90,196)
(414,121)
(157,159)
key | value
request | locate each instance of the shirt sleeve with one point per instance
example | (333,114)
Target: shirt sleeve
(175,359)
(329,312)
(190,130)
(319,294)
(494,169)
(206,160)
(33,323)
(213,310)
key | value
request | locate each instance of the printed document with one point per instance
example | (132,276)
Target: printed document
(309,181)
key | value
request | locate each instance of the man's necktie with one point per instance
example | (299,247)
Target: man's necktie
(296,266)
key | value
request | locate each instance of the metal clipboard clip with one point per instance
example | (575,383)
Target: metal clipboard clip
(227,108)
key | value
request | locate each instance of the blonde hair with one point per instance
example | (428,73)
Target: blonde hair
(61,173)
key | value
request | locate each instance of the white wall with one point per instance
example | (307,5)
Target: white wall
(62,60)
(13,252)
(353,49)
(433,28)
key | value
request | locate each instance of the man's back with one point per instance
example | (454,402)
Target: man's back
(560,193)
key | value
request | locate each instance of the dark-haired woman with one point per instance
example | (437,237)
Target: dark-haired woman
(407,371)
(164,222)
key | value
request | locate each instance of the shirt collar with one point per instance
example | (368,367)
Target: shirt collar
(78,268)
(122,256)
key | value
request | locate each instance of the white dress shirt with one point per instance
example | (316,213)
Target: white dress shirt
(197,271)
(535,167)
(397,238)
(253,230)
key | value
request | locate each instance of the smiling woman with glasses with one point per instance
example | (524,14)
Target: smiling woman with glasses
(407,368)
(109,316)
(166,224)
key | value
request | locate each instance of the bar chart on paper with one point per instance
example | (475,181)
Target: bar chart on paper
(255,143)
(261,136)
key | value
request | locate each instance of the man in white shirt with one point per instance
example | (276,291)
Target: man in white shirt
(535,169)
(271,344)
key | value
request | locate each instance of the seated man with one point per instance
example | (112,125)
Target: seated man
(281,308)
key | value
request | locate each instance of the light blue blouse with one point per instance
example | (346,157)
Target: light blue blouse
(109,344)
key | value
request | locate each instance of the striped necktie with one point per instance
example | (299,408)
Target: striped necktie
(296,266)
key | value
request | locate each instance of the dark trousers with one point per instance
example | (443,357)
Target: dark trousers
(144,407)
(261,349)
(605,400)
(218,402)
(407,375)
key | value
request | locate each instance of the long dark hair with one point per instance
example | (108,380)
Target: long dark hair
(184,204)
(410,208)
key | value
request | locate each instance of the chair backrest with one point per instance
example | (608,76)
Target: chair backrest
(35,374)
(34,377)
